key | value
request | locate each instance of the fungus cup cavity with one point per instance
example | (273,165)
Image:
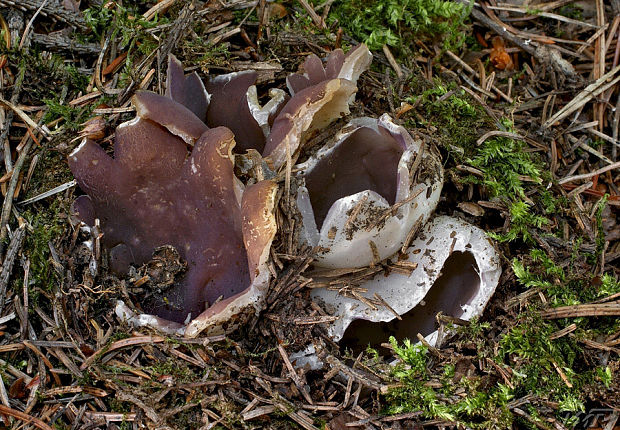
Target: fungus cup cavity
(365,192)
(456,272)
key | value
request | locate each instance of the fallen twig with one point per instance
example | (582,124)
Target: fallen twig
(587,310)
(24,417)
(52,9)
(9,260)
(590,174)
(591,91)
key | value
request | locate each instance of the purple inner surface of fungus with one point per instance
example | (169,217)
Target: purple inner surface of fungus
(187,90)
(151,194)
(229,107)
(457,286)
(175,117)
(223,102)
(365,160)
(315,71)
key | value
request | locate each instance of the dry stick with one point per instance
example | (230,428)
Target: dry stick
(183,20)
(616,165)
(612,31)
(131,341)
(24,417)
(148,411)
(500,134)
(293,375)
(355,212)
(56,42)
(587,310)
(25,118)
(158,8)
(616,119)
(501,30)
(4,396)
(600,20)
(26,35)
(315,17)
(49,193)
(614,135)
(8,200)
(7,265)
(544,14)
(8,163)
(603,136)
(98,66)
(56,12)
(391,211)
(599,62)
(591,91)
(563,332)
(392,61)
(592,39)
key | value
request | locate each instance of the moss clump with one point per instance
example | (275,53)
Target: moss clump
(565,287)
(448,109)
(506,166)
(476,406)
(398,23)
(47,228)
(175,368)
(72,116)
(125,24)
(123,21)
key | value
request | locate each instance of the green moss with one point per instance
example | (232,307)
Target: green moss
(125,24)
(73,116)
(563,288)
(448,109)
(205,54)
(480,407)
(504,162)
(47,227)
(55,69)
(553,370)
(398,23)
(175,368)
(123,21)
(505,165)
(548,369)
(571,11)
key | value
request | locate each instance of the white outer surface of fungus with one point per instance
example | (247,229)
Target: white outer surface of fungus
(403,292)
(347,248)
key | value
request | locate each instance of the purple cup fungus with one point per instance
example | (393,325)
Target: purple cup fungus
(153,194)
(319,97)
(228,100)
(279,128)
(365,192)
(338,65)
(456,272)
